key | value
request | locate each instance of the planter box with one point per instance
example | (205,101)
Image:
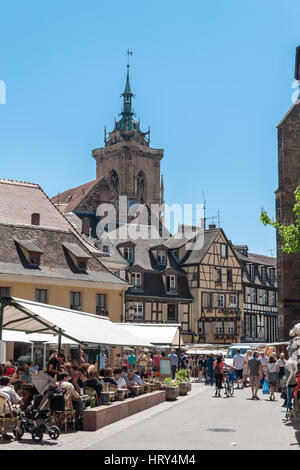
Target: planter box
(184,388)
(172,393)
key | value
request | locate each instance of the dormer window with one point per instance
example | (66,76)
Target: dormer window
(136,280)
(263,274)
(272,275)
(252,271)
(128,253)
(161,256)
(78,256)
(171,284)
(31,252)
(105,249)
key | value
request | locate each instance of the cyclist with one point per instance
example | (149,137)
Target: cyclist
(219,374)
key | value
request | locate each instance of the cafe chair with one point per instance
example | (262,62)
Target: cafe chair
(8,422)
(91,392)
(68,415)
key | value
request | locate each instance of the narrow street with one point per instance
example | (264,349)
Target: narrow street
(196,422)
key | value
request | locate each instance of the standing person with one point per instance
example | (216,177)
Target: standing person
(290,373)
(264,363)
(142,363)
(174,362)
(272,375)
(218,369)
(245,368)
(54,365)
(156,360)
(255,372)
(200,368)
(131,360)
(183,361)
(118,362)
(238,365)
(210,368)
(102,358)
(281,364)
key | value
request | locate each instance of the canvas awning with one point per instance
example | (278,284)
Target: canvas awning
(21,337)
(80,327)
(163,335)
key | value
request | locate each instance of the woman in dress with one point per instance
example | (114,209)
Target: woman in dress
(281,364)
(272,375)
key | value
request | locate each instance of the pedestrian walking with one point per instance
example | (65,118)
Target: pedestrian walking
(272,375)
(238,365)
(255,372)
(219,374)
(281,364)
(245,368)
(174,362)
(210,368)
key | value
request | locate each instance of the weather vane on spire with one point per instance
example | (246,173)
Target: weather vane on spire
(128,53)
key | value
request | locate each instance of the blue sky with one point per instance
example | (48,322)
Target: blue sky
(212,79)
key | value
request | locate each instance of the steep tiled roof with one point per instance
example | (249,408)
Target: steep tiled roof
(18,201)
(257,259)
(204,239)
(71,198)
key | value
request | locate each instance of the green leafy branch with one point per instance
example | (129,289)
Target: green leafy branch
(290,234)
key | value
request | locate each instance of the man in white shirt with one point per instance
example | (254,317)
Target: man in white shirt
(7,391)
(264,362)
(238,365)
(119,379)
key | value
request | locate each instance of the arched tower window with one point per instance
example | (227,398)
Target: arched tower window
(114,180)
(141,187)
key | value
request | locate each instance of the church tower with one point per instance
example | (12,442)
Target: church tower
(127,162)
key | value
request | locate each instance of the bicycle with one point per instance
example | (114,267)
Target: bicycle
(229,379)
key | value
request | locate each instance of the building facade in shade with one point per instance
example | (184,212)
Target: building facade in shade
(288,180)
(260,322)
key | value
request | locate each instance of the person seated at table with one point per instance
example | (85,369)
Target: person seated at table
(119,379)
(9,369)
(78,405)
(7,391)
(149,373)
(20,377)
(133,378)
(33,368)
(93,381)
(107,378)
(76,376)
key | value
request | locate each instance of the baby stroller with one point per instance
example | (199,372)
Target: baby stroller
(36,420)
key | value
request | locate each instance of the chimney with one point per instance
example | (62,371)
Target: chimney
(212,227)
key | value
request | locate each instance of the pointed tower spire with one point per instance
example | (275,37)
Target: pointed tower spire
(127,95)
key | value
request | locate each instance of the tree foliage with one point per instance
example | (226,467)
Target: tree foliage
(290,234)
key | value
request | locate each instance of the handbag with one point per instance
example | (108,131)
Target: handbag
(265,388)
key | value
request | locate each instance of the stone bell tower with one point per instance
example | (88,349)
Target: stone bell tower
(127,162)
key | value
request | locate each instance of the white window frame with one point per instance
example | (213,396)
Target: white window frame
(229,328)
(128,253)
(138,314)
(136,280)
(219,303)
(161,256)
(219,328)
(224,251)
(105,249)
(252,271)
(172,283)
(233,301)
(200,328)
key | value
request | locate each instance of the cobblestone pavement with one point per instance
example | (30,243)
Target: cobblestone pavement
(196,422)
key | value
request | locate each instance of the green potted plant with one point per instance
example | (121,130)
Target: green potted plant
(183,378)
(172,389)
